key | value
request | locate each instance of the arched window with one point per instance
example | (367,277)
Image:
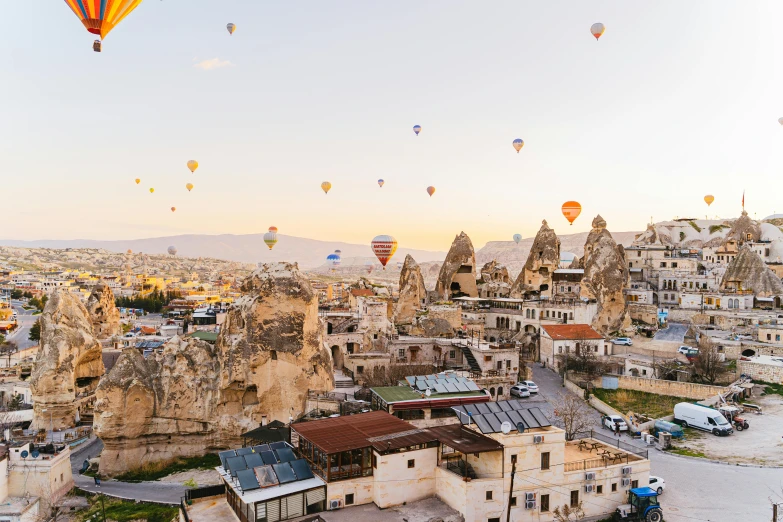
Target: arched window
(731,303)
(532,314)
(492,391)
(500,391)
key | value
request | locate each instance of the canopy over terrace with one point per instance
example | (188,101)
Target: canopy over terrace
(457,443)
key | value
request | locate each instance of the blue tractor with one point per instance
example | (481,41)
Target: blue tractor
(642,506)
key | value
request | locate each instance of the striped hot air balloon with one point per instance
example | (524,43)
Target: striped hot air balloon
(571,210)
(384,247)
(270,238)
(101,16)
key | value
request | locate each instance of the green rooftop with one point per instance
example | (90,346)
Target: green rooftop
(209,337)
(391,394)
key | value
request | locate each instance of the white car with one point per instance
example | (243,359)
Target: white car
(685,349)
(658,484)
(519,391)
(609,422)
(530,385)
(623,341)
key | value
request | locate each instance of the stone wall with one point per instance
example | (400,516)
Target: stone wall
(671,388)
(646,313)
(761,372)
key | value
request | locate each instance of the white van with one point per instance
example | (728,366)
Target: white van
(701,417)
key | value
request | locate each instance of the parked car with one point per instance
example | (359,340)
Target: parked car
(658,484)
(530,385)
(610,421)
(701,418)
(519,391)
(626,341)
(685,349)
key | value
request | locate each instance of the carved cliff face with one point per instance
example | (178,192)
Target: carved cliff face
(457,277)
(68,364)
(103,312)
(542,261)
(744,230)
(413,294)
(195,396)
(748,271)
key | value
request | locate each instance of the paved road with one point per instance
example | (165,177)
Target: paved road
(696,490)
(26,319)
(674,333)
(147,491)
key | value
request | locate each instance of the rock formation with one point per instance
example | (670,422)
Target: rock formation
(748,271)
(543,260)
(69,363)
(606,275)
(194,397)
(438,321)
(413,294)
(495,281)
(457,277)
(653,236)
(104,315)
(744,229)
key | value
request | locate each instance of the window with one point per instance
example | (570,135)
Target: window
(411,463)
(614,487)
(777,337)
(360,369)
(663,264)
(769,337)
(274,354)
(559,349)
(545,460)
(513,459)
(489,495)
(401,353)
(453,354)
(558,315)
(374,461)
(493,519)
(374,336)
(349,499)
(674,264)
(644,372)
(575,498)
(599,489)
(634,484)
(513,501)
(544,503)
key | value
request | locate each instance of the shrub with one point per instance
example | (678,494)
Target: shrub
(695,226)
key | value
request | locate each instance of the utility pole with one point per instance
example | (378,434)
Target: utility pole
(511,490)
(774,513)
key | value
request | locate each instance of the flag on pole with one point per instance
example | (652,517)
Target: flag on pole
(743,200)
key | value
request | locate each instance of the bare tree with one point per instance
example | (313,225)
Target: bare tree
(8,348)
(666,369)
(708,365)
(393,374)
(568,513)
(584,360)
(572,415)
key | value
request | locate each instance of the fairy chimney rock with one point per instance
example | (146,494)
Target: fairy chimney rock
(104,316)
(542,261)
(747,271)
(413,294)
(457,277)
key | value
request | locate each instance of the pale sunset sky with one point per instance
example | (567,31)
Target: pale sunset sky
(678,99)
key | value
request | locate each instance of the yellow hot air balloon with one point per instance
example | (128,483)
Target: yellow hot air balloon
(431,191)
(192,165)
(138,181)
(231,28)
(173,209)
(708,199)
(571,210)
(189,186)
(152,190)
(326,186)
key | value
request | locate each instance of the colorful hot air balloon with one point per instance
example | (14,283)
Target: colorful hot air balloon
(172,250)
(708,199)
(137,181)
(571,210)
(597,30)
(231,28)
(333,260)
(517,238)
(270,238)
(326,186)
(173,209)
(152,190)
(192,165)
(381,182)
(431,191)
(384,248)
(273,229)
(417,129)
(101,17)
(189,186)
(518,144)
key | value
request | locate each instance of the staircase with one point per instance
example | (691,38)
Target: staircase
(342,381)
(474,365)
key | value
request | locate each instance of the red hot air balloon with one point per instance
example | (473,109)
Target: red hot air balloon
(384,247)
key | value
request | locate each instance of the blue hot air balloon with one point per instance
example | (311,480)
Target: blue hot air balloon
(381,182)
(333,260)
(417,129)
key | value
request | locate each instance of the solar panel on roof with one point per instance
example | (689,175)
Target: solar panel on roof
(503,417)
(452,380)
(420,378)
(528,419)
(285,455)
(253,460)
(472,386)
(440,388)
(430,377)
(301,469)
(505,406)
(411,380)
(483,425)
(493,421)
(482,408)
(247,479)
(261,447)
(540,417)
(514,416)
(462,379)
(278,445)
(269,457)
(493,407)
(284,472)
(472,408)
(224,455)
(266,476)
(431,382)
(235,464)
(421,385)
(244,451)
(452,388)
(461,386)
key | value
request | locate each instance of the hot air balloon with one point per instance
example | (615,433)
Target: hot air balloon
(192,165)
(273,229)
(101,17)
(189,186)
(231,28)
(152,190)
(597,30)
(571,210)
(517,238)
(326,186)
(173,209)
(417,129)
(338,252)
(384,247)
(172,250)
(399,265)
(130,251)
(369,266)
(518,144)
(138,181)
(708,199)
(270,238)
(780,120)
(431,191)
(381,182)
(333,260)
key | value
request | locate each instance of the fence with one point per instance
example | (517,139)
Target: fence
(611,441)
(183,510)
(206,491)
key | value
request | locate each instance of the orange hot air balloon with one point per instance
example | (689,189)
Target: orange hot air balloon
(571,210)
(273,229)
(384,247)
(430,191)
(708,199)
(173,209)
(138,181)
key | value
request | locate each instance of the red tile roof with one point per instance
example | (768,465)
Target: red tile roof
(351,431)
(362,292)
(570,332)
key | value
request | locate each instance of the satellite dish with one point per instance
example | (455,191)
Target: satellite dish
(505,427)
(520,427)
(34,454)
(24,454)
(428,392)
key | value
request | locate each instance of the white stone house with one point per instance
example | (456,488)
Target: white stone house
(563,339)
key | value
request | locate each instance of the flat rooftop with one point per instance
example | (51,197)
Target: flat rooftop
(392,394)
(349,432)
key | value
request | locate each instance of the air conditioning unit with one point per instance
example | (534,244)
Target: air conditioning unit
(626,483)
(590,475)
(335,504)
(530,497)
(530,504)
(589,488)
(626,470)
(538,439)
